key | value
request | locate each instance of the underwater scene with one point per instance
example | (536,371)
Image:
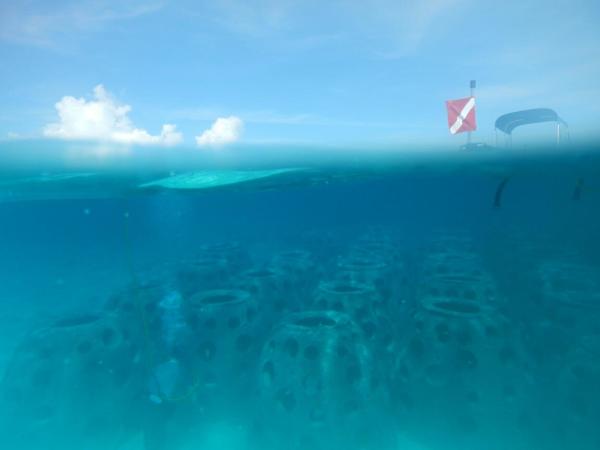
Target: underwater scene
(418,303)
(299,225)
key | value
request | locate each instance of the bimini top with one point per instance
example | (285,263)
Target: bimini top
(508,122)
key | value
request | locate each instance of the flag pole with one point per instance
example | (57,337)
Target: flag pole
(472,85)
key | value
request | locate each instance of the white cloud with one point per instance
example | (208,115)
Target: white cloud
(225,130)
(103,118)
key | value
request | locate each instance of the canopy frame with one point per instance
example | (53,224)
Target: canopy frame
(508,122)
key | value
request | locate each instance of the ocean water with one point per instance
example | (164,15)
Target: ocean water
(299,299)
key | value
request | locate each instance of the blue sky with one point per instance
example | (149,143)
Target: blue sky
(297,71)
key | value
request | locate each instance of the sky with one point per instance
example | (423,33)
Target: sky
(205,74)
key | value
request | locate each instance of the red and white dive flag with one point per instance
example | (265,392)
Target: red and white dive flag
(461,115)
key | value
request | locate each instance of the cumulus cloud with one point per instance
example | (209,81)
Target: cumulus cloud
(224,130)
(103,118)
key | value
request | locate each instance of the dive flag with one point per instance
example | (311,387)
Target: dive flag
(461,115)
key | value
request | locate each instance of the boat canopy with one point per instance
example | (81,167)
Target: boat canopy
(508,122)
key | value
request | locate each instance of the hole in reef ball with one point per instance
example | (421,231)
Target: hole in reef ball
(287,399)
(311,352)
(108,336)
(467,359)
(368,329)
(443,332)
(207,350)
(233,323)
